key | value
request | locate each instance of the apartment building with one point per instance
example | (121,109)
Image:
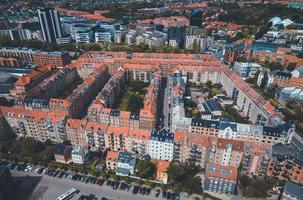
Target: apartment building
(25,83)
(111,160)
(276,57)
(80,98)
(111,90)
(62,153)
(242,132)
(287,161)
(292,191)
(10,62)
(54,85)
(249,102)
(161,145)
(79,154)
(162,166)
(193,147)
(147,117)
(256,158)
(37,57)
(220,179)
(246,69)
(280,78)
(75,132)
(39,124)
(126,164)
(228,153)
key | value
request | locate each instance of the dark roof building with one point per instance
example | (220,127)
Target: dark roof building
(195,18)
(292,191)
(205,123)
(162,136)
(62,153)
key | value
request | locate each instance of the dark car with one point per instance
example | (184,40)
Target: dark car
(65,174)
(122,186)
(92,197)
(127,188)
(75,176)
(20,167)
(61,174)
(168,195)
(177,196)
(12,165)
(148,191)
(116,185)
(87,180)
(108,183)
(99,181)
(144,190)
(40,170)
(135,190)
(140,190)
(164,193)
(93,181)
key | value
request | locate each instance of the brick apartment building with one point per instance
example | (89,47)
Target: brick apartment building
(36,57)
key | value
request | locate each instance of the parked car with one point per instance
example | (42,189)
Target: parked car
(164,193)
(108,183)
(115,185)
(144,190)
(168,195)
(99,181)
(136,189)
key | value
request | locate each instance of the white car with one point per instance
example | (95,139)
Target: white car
(36,171)
(30,168)
(45,171)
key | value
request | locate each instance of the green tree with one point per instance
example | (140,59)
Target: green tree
(291,67)
(244,181)
(182,177)
(135,102)
(190,103)
(208,84)
(264,80)
(30,145)
(145,169)
(274,66)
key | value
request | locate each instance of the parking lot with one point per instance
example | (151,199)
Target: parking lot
(53,183)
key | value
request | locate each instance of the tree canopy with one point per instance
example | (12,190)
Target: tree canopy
(183,177)
(256,187)
(145,169)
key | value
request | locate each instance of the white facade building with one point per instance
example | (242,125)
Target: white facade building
(84,36)
(126,164)
(130,37)
(104,36)
(79,154)
(161,145)
(195,41)
(246,69)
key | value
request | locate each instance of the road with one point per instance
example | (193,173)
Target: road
(167,102)
(50,188)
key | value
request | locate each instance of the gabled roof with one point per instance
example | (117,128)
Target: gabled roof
(112,155)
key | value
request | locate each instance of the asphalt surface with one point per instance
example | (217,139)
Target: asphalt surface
(49,188)
(167,102)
